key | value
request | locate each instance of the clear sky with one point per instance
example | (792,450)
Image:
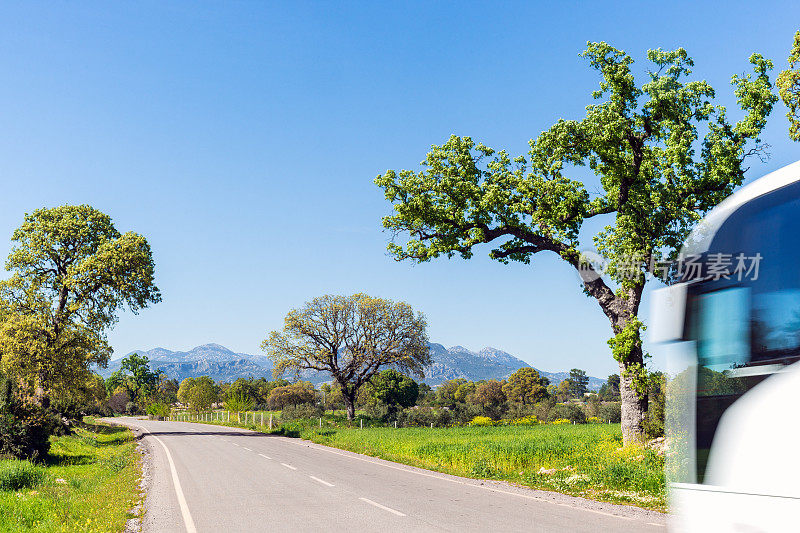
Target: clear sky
(242,138)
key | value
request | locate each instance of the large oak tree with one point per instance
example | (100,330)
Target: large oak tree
(352,338)
(72,273)
(663,154)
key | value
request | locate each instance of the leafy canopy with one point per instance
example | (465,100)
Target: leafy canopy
(663,153)
(788,83)
(72,272)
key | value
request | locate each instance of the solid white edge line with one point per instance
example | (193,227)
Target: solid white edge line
(187,517)
(376,504)
(264,456)
(321,481)
(289,466)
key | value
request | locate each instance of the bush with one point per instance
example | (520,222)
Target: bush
(529,420)
(481,421)
(131,408)
(568,411)
(593,420)
(158,409)
(16,475)
(611,412)
(304,410)
(424,416)
(25,429)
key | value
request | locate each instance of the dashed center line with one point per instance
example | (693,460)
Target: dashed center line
(246,448)
(235,444)
(289,466)
(318,480)
(379,506)
(264,456)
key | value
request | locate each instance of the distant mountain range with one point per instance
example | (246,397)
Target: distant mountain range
(222,364)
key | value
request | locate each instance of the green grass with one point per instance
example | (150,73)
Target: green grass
(89,483)
(583,460)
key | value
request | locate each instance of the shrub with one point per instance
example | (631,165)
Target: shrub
(559,421)
(131,408)
(529,420)
(25,428)
(611,411)
(118,401)
(481,421)
(305,410)
(593,420)
(568,411)
(237,403)
(16,475)
(424,416)
(158,409)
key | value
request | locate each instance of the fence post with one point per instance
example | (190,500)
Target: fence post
(395,424)
(262,418)
(238,417)
(431,425)
(362,423)
(270,421)
(320,422)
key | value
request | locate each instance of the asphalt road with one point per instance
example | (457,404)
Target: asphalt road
(218,479)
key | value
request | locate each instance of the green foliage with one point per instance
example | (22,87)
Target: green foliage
(158,409)
(609,391)
(198,393)
(25,427)
(657,177)
(788,83)
(579,382)
(239,402)
(72,272)
(610,412)
(143,379)
(16,475)
(567,411)
(294,394)
(352,338)
(526,386)
(481,421)
(654,421)
(392,389)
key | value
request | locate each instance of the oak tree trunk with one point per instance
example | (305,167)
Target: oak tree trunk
(634,409)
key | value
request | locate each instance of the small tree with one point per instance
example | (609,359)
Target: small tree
(490,396)
(579,383)
(198,393)
(351,338)
(294,394)
(526,387)
(392,389)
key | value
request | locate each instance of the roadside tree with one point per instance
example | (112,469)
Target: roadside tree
(352,338)
(656,178)
(71,274)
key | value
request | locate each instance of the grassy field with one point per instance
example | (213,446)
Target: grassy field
(89,484)
(583,460)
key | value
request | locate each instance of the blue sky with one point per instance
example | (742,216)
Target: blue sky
(242,138)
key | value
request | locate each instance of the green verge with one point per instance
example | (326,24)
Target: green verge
(89,483)
(586,460)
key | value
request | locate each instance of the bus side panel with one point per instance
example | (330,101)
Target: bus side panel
(706,510)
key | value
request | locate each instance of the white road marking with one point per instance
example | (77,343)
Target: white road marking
(321,481)
(264,456)
(379,506)
(187,517)
(656,524)
(234,444)
(289,466)
(246,448)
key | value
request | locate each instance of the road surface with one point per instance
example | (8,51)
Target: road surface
(209,478)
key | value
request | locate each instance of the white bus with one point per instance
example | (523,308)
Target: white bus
(731,332)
